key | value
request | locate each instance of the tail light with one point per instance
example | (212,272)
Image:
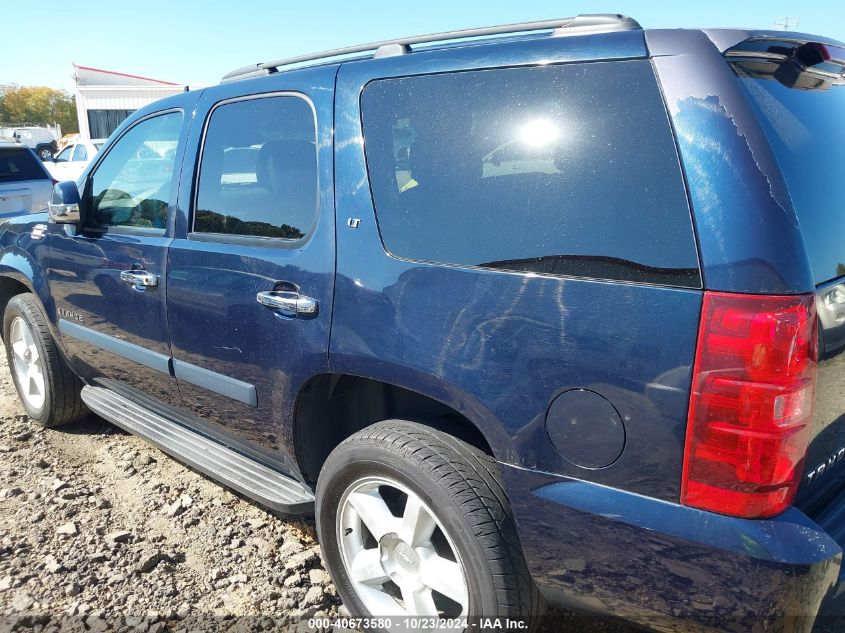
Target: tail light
(751,404)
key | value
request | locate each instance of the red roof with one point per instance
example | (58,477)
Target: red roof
(114,72)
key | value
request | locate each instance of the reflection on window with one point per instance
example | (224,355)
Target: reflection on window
(132,185)
(17,165)
(258,172)
(806,129)
(566,170)
(80,153)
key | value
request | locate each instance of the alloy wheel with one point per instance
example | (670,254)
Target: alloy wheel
(28,365)
(398,557)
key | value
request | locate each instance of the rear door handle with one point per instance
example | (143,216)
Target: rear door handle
(139,278)
(287,302)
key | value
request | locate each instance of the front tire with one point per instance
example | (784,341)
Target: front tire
(45,153)
(48,389)
(415,523)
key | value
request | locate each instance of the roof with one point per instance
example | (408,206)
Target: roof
(579,25)
(89,76)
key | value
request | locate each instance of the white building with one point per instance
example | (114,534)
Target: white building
(104,98)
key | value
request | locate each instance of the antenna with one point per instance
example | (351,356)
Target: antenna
(786,23)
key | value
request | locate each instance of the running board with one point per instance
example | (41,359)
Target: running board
(266,486)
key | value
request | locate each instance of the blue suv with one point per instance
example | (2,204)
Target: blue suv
(542,313)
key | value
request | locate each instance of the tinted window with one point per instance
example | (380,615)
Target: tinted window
(18,165)
(64,155)
(131,186)
(802,115)
(258,174)
(566,170)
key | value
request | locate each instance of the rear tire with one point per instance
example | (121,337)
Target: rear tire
(464,539)
(48,389)
(45,153)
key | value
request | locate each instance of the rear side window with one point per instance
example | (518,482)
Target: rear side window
(566,170)
(258,172)
(17,165)
(80,153)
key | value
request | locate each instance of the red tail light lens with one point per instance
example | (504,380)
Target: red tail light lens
(752,403)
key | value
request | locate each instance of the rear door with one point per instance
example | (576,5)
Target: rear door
(108,278)
(24,185)
(251,273)
(79,160)
(525,239)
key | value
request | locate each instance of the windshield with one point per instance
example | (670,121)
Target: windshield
(802,115)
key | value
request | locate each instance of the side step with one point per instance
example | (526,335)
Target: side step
(265,485)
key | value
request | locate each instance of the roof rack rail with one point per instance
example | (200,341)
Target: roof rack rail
(579,25)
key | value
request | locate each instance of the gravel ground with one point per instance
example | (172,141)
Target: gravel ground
(101,531)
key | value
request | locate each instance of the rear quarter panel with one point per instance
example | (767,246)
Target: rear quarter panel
(500,346)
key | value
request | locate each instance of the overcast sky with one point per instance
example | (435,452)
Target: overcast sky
(196,42)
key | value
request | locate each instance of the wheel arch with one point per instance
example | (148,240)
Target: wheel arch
(14,281)
(330,407)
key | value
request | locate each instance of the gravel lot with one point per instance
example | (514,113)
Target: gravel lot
(101,531)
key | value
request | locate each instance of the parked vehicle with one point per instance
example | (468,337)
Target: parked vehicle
(39,139)
(69,163)
(25,186)
(528,314)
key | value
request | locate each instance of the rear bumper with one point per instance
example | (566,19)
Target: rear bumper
(832,611)
(669,567)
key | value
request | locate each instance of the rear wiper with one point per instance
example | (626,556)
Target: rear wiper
(795,64)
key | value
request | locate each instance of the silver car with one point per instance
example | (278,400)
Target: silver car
(25,186)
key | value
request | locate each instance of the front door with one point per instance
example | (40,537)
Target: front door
(108,276)
(250,282)
(60,167)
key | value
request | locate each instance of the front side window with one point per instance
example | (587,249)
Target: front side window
(564,170)
(258,172)
(64,155)
(131,186)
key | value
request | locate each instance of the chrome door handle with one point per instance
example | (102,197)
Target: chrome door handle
(139,278)
(287,302)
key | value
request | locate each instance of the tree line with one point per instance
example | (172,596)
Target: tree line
(38,105)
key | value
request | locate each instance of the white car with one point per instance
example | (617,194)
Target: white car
(25,186)
(73,159)
(38,139)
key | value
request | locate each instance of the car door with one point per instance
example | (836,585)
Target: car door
(108,277)
(58,168)
(250,279)
(79,160)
